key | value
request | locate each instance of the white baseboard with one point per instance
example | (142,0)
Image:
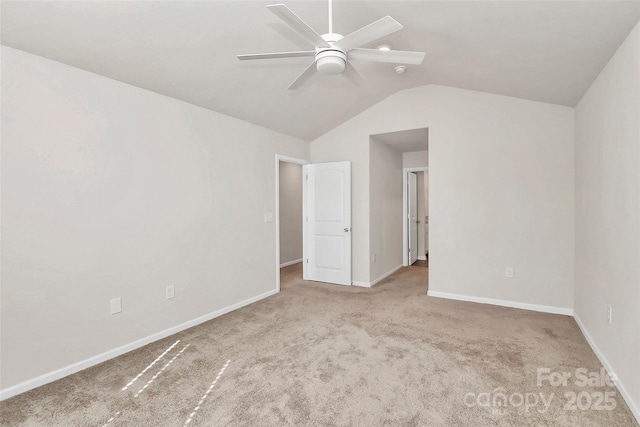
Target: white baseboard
(361,284)
(87,363)
(378,280)
(504,303)
(625,395)
(288,263)
(422,257)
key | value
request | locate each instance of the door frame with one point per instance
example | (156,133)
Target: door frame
(405,211)
(286,159)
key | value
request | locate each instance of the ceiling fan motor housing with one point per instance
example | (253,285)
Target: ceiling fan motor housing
(331,61)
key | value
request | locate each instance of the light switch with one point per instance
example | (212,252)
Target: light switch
(268,217)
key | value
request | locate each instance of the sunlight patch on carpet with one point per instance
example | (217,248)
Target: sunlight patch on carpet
(161,370)
(150,365)
(213,384)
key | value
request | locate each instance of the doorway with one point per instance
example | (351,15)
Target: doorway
(415,241)
(288,216)
(412,216)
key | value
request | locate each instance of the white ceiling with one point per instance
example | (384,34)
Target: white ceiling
(546,51)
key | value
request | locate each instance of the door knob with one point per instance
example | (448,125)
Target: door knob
(346,230)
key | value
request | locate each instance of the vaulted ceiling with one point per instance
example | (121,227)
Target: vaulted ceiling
(547,51)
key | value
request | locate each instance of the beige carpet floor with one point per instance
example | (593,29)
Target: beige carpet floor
(319,354)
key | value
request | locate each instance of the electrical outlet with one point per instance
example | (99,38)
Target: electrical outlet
(116,306)
(508,272)
(171,291)
(268,217)
(609,313)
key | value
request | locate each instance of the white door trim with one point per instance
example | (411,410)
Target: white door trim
(405,229)
(287,159)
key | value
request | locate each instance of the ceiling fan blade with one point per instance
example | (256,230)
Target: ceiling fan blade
(353,74)
(372,32)
(298,24)
(391,56)
(277,55)
(302,78)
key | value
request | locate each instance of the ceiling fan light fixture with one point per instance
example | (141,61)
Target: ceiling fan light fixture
(331,62)
(384,48)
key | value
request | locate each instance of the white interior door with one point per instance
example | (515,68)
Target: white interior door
(412,217)
(327,234)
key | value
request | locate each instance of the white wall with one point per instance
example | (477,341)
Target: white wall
(415,159)
(385,211)
(607,249)
(426,192)
(501,190)
(112,191)
(290,212)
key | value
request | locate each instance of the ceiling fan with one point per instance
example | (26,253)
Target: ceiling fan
(333,52)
